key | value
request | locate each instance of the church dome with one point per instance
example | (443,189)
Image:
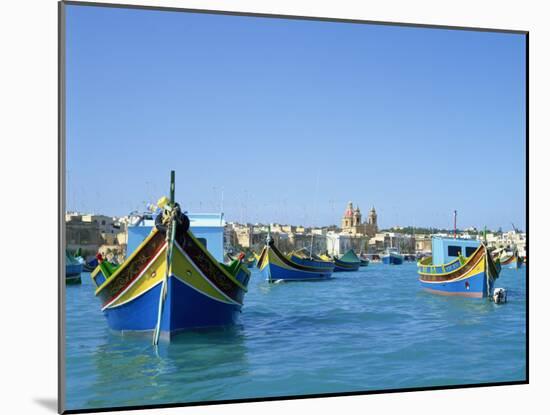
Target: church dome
(349,210)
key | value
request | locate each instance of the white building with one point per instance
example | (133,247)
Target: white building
(338,243)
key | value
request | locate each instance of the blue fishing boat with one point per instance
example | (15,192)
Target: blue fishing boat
(347,262)
(459,267)
(73,269)
(304,257)
(170,282)
(275,266)
(392,257)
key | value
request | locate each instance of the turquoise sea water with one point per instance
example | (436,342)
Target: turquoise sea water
(368,330)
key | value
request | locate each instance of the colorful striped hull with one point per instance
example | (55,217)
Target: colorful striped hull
(474,286)
(274,266)
(474,278)
(392,259)
(185,307)
(199,291)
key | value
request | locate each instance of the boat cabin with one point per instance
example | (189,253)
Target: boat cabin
(445,250)
(208,228)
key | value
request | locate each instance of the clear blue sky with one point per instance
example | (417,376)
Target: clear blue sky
(291,119)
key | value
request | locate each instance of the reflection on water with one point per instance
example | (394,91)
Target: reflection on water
(373,329)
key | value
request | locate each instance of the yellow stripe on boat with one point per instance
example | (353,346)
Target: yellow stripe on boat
(264,261)
(434,267)
(187,272)
(479,267)
(151,276)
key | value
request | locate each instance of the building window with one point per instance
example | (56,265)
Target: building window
(453,250)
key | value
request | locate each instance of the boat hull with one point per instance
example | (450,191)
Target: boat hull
(392,259)
(472,278)
(474,287)
(184,308)
(274,266)
(199,292)
(342,266)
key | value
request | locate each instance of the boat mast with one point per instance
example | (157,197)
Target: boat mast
(170,236)
(455,222)
(316,194)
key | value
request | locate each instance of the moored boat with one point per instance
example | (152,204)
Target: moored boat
(510,260)
(392,257)
(170,282)
(275,266)
(347,262)
(459,267)
(73,269)
(86,266)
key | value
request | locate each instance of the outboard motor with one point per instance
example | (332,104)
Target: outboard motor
(499,295)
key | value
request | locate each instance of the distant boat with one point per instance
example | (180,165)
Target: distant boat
(73,269)
(347,262)
(459,267)
(364,260)
(510,260)
(86,266)
(275,266)
(170,282)
(304,257)
(392,257)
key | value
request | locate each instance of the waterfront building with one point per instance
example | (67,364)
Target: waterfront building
(338,243)
(509,240)
(404,243)
(89,232)
(83,235)
(423,243)
(314,242)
